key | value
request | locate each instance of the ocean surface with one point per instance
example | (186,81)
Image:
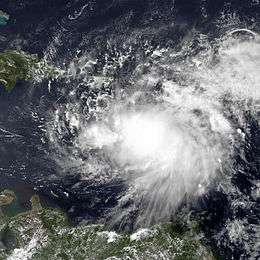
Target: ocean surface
(132,71)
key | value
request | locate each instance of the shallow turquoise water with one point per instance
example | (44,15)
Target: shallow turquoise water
(3,20)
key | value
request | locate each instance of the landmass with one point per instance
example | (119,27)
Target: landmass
(6,198)
(45,233)
(17,65)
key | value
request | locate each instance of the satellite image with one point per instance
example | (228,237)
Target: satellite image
(129,129)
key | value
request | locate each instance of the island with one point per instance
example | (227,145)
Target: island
(18,65)
(15,65)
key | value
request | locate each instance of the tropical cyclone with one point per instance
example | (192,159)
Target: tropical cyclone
(171,127)
(164,156)
(160,96)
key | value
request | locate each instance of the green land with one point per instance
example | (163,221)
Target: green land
(15,65)
(43,233)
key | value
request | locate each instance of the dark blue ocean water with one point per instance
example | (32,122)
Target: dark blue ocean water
(26,164)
